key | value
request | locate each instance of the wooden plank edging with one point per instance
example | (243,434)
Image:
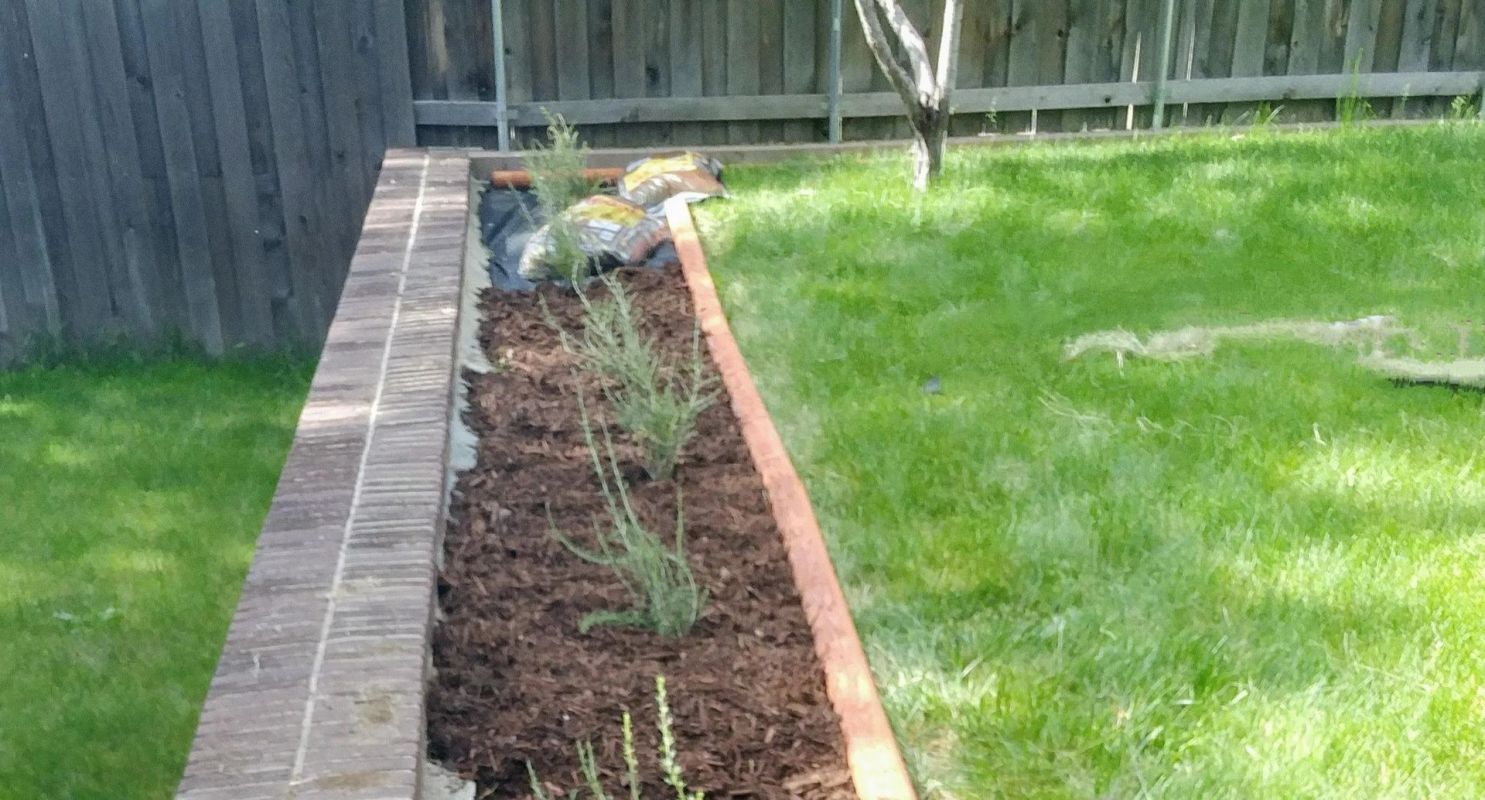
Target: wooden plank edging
(876,763)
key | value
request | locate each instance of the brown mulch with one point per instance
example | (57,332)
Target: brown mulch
(517,682)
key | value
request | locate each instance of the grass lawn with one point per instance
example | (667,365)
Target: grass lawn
(1255,575)
(131,493)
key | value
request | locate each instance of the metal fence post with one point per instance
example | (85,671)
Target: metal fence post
(1167,28)
(834,89)
(502,108)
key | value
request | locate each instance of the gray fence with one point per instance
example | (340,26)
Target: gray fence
(740,71)
(189,167)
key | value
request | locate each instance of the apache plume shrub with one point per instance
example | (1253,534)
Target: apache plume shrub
(557,179)
(657,404)
(661,415)
(666,597)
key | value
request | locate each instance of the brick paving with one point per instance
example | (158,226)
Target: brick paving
(319,690)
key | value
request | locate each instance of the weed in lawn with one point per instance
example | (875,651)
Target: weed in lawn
(666,597)
(669,765)
(1351,108)
(1249,576)
(1265,115)
(1464,109)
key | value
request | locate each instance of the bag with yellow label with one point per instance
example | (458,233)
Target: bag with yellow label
(649,182)
(609,231)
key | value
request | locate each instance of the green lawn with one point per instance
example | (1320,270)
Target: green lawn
(1255,575)
(131,493)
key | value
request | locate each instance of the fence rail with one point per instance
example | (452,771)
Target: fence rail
(192,167)
(1276,88)
(742,71)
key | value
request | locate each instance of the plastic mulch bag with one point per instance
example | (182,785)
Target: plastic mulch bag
(649,182)
(611,232)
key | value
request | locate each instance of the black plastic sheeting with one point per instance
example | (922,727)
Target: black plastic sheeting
(507,219)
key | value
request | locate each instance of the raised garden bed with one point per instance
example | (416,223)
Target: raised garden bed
(323,688)
(516,679)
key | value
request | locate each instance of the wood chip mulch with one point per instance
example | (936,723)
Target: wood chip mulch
(517,682)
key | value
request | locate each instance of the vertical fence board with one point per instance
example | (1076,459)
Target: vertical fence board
(18,183)
(183,174)
(685,56)
(714,61)
(192,60)
(389,49)
(571,23)
(84,287)
(743,73)
(138,283)
(1469,48)
(601,62)
(235,153)
(799,57)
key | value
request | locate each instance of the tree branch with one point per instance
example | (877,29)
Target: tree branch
(948,50)
(881,49)
(912,43)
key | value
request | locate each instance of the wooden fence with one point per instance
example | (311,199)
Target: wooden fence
(189,167)
(739,71)
(201,167)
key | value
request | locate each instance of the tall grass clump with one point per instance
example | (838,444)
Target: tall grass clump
(1463,109)
(558,180)
(658,404)
(666,596)
(588,762)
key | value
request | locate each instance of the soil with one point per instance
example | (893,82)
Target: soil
(517,682)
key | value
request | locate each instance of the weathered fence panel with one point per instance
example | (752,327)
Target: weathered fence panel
(189,167)
(742,71)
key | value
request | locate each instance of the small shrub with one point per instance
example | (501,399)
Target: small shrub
(661,415)
(657,404)
(610,344)
(666,597)
(558,180)
(588,762)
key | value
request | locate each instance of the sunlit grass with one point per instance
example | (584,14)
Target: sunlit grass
(1256,575)
(131,493)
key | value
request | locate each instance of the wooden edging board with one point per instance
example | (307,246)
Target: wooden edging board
(876,763)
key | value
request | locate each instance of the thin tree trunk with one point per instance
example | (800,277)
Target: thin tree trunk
(925,92)
(930,132)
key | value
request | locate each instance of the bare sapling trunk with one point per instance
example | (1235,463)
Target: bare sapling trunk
(925,91)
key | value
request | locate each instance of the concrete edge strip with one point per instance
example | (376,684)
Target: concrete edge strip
(876,763)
